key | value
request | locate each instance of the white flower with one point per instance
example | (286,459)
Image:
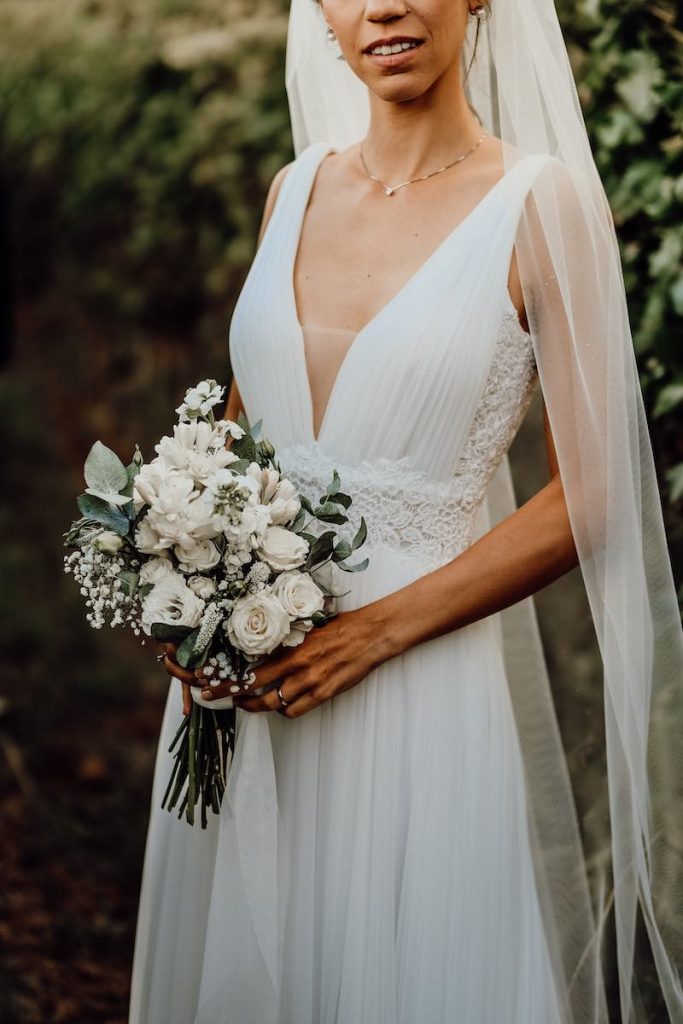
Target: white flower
(108,542)
(282,549)
(180,515)
(196,448)
(202,586)
(147,540)
(171,601)
(199,556)
(278,493)
(330,576)
(301,598)
(258,623)
(298,594)
(148,482)
(200,400)
(225,427)
(155,570)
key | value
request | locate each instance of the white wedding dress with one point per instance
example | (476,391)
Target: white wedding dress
(373,864)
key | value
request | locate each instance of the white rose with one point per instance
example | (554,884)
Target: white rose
(202,586)
(282,549)
(258,623)
(199,556)
(171,601)
(108,542)
(297,634)
(298,594)
(195,448)
(155,570)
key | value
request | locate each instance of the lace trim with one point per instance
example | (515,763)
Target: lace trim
(405,508)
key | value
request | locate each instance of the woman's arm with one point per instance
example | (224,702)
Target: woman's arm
(526,551)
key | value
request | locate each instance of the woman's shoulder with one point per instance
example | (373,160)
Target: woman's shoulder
(276,185)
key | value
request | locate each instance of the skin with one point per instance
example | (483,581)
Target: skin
(420,120)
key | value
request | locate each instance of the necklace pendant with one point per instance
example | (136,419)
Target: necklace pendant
(388,191)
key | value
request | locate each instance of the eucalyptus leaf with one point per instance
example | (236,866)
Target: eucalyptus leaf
(329,513)
(105,474)
(342,550)
(104,513)
(358,567)
(305,504)
(360,535)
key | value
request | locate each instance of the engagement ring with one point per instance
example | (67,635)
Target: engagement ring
(282,699)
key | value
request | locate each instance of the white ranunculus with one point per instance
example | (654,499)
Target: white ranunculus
(282,549)
(155,570)
(108,542)
(258,623)
(171,601)
(298,594)
(202,586)
(278,493)
(200,556)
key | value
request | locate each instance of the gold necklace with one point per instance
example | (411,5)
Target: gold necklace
(390,189)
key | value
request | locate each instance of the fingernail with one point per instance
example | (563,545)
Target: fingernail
(207,694)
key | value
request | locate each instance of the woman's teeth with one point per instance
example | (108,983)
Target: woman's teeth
(395,48)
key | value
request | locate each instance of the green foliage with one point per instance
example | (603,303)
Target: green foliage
(627,59)
(138,140)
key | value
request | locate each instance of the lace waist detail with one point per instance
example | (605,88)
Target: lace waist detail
(403,508)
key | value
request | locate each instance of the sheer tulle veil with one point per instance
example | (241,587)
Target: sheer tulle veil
(522,89)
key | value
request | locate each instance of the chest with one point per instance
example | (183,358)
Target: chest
(380,243)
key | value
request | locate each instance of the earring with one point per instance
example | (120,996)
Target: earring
(331,38)
(482,12)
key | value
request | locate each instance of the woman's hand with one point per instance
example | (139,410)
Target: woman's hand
(178,672)
(331,659)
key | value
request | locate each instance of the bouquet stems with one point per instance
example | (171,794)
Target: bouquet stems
(203,746)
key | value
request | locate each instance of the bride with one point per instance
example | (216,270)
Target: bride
(399,844)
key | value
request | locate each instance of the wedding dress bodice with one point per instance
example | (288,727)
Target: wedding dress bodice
(423,402)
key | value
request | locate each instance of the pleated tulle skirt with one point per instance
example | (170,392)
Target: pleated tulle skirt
(406,892)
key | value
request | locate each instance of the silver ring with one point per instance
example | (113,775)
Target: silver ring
(161,657)
(282,699)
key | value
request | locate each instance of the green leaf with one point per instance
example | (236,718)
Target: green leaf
(318,618)
(669,397)
(146,589)
(105,474)
(329,513)
(104,513)
(256,429)
(360,535)
(335,485)
(167,633)
(358,567)
(342,550)
(305,504)
(186,653)
(675,480)
(130,581)
(321,548)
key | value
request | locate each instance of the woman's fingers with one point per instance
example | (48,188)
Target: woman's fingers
(187,699)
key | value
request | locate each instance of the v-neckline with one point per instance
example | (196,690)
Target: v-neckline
(359,336)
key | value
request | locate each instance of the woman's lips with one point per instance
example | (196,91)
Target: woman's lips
(393,59)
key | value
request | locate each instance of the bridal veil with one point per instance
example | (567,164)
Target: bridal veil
(522,89)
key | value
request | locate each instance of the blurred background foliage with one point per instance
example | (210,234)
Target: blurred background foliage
(137,141)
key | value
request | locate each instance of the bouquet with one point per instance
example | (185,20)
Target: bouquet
(208,546)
